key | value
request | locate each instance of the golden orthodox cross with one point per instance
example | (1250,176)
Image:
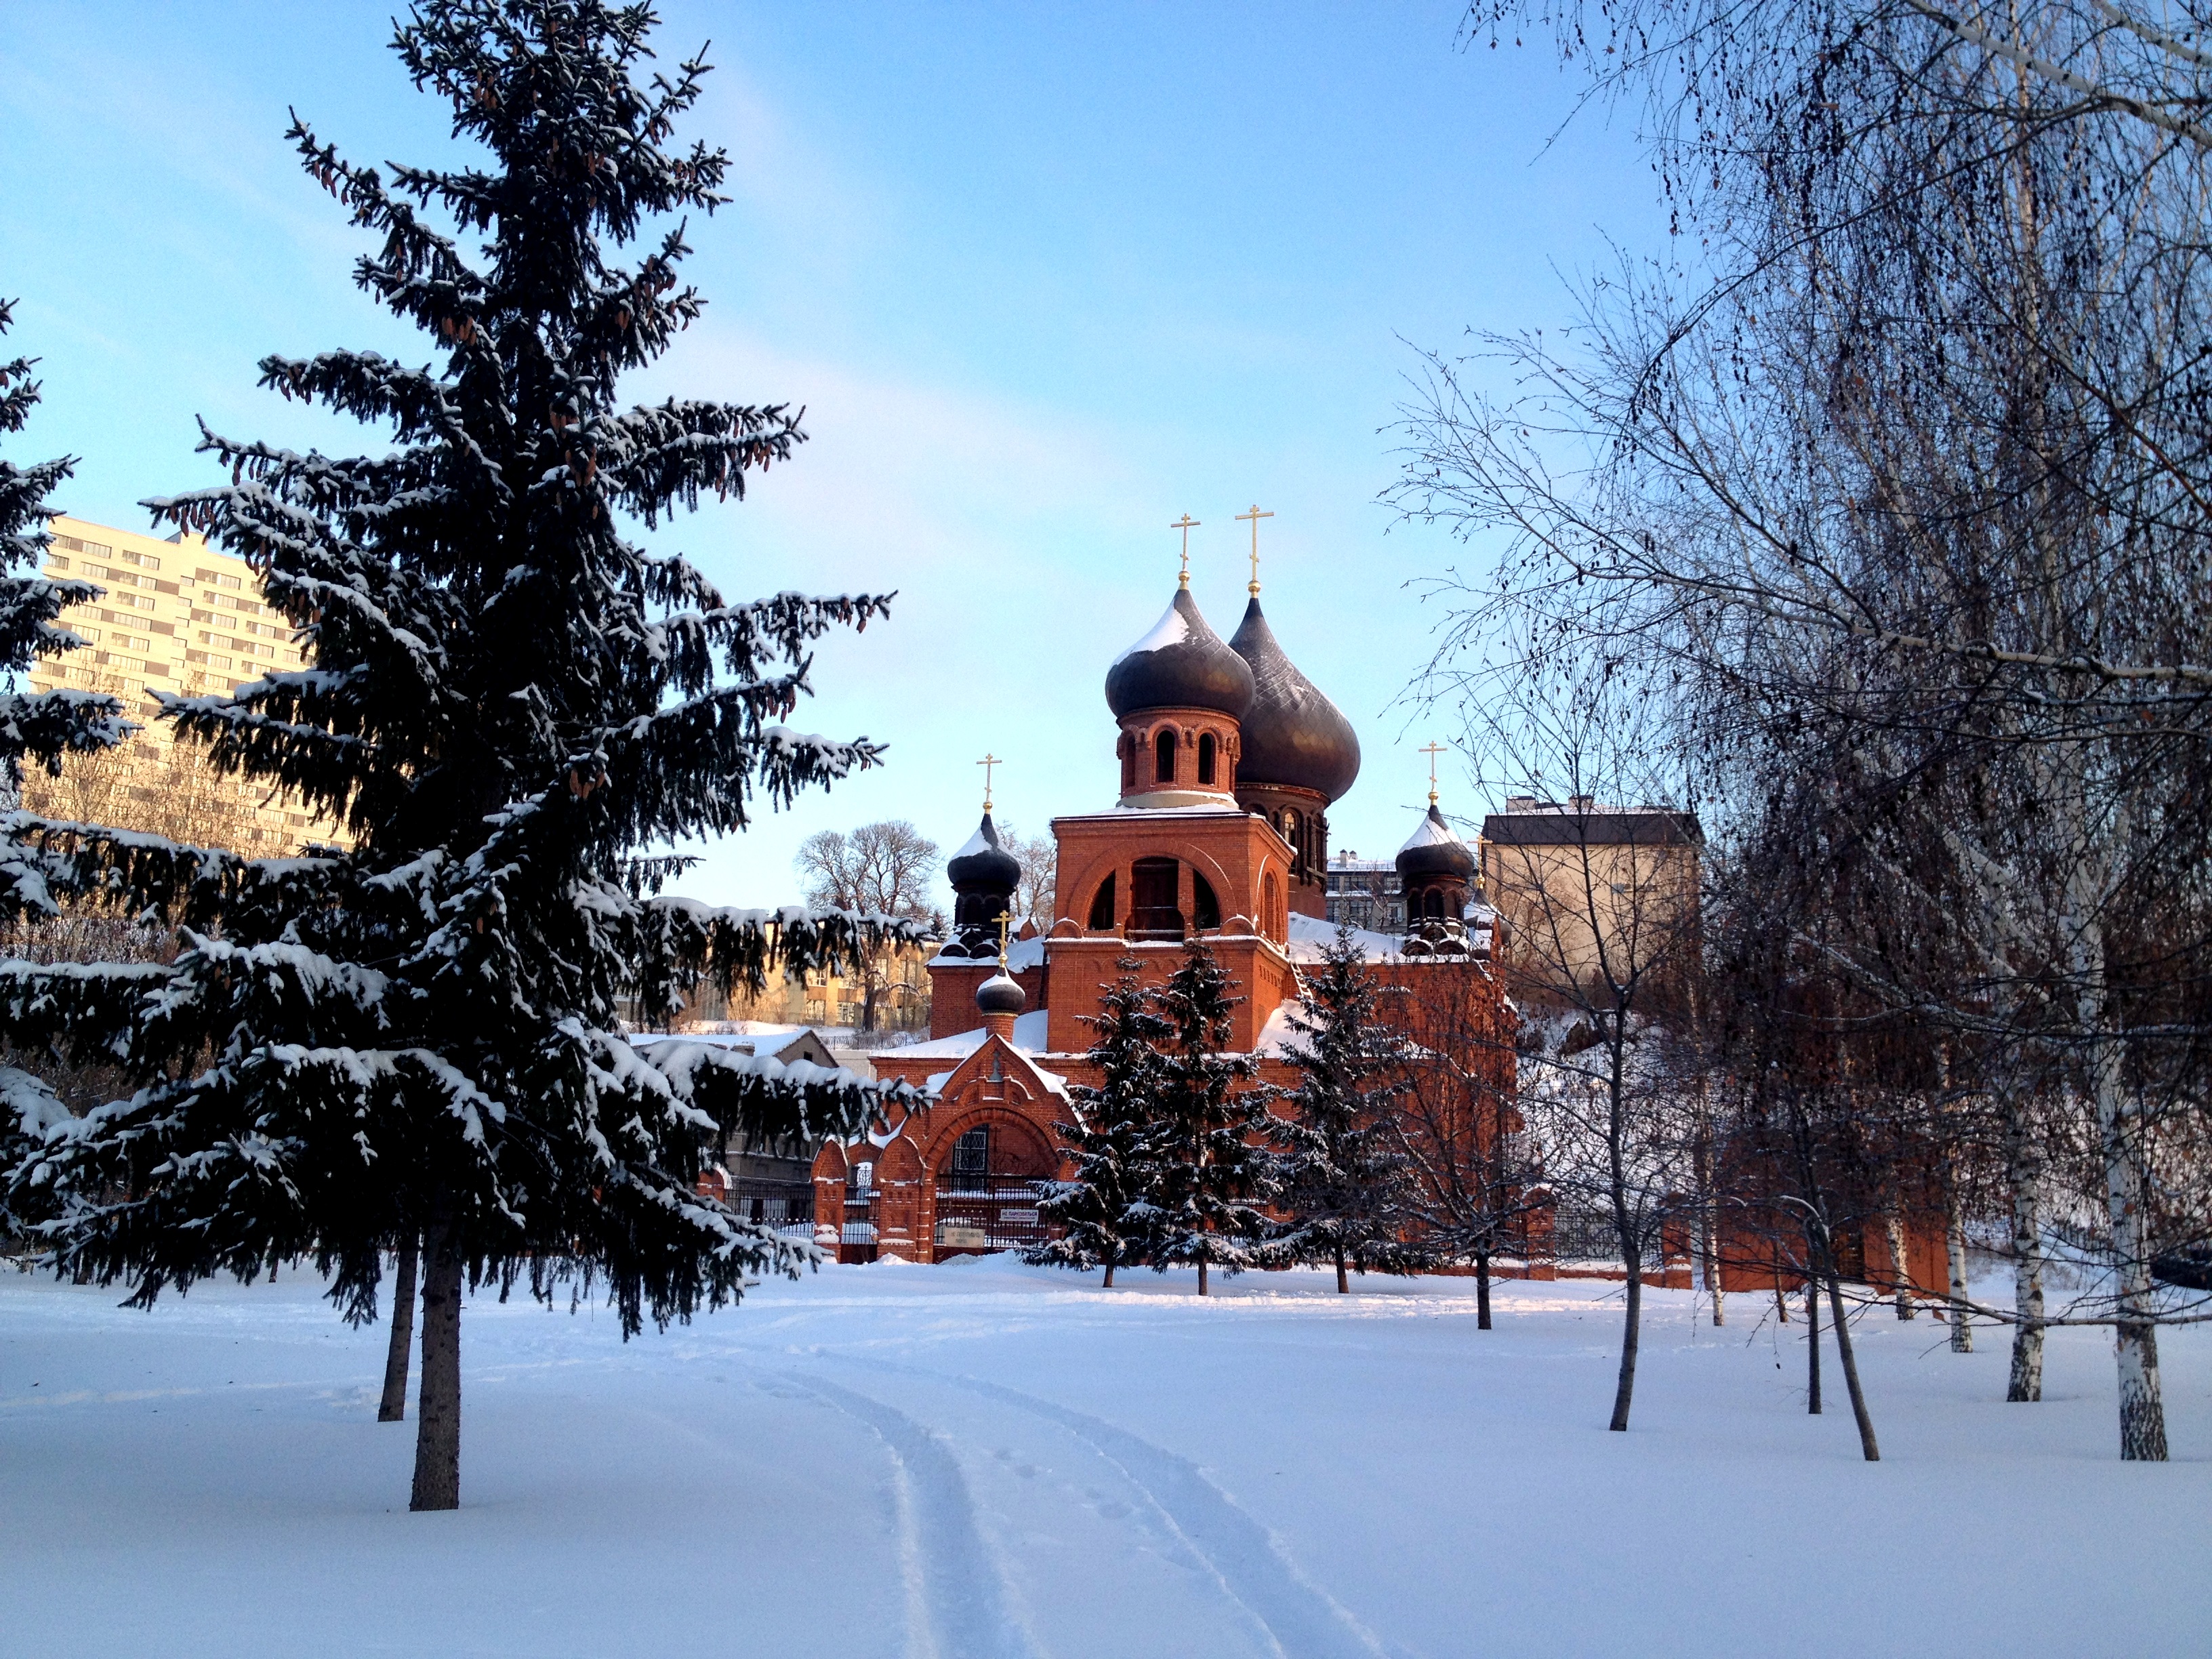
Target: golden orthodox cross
(1255,515)
(1005,919)
(1186,524)
(986,763)
(1432,751)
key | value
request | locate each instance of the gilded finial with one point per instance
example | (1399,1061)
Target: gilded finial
(986,763)
(1186,524)
(1004,919)
(1432,751)
(1255,515)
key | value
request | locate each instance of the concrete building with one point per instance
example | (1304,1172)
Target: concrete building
(1364,893)
(176,616)
(1577,885)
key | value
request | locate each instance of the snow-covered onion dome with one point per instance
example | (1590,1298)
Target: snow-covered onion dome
(984,876)
(1434,868)
(1294,737)
(1180,664)
(998,994)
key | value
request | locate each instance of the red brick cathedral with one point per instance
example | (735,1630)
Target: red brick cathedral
(1228,760)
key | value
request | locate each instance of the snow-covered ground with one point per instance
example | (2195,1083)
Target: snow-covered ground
(983,1458)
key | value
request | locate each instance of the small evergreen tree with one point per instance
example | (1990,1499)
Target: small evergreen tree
(1213,1171)
(1108,1210)
(509,706)
(1343,1171)
(41,728)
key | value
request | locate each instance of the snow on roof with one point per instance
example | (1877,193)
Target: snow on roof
(1169,629)
(978,843)
(1029,1037)
(1021,953)
(763,1039)
(1311,936)
(1279,1037)
(1431,832)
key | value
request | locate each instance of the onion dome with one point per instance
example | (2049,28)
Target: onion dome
(1180,664)
(998,994)
(982,865)
(1293,736)
(1433,852)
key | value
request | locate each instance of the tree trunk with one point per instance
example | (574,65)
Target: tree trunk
(1202,1276)
(438,1415)
(1955,1245)
(1624,1389)
(394,1406)
(1343,1284)
(1482,1290)
(1708,1232)
(2143,1410)
(2024,1174)
(1867,1447)
(1812,1344)
(1781,1299)
(1901,1263)
(1109,1277)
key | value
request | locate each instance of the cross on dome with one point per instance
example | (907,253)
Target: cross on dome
(1186,524)
(1432,751)
(1255,515)
(986,763)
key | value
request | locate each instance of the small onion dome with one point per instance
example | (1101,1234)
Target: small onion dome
(1432,850)
(1293,735)
(1000,995)
(982,865)
(1180,664)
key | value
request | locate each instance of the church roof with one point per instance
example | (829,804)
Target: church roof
(1180,664)
(982,864)
(1434,849)
(1293,735)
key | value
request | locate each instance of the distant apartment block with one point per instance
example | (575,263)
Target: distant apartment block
(177,616)
(1365,893)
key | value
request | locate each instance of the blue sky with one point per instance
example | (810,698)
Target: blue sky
(1045,278)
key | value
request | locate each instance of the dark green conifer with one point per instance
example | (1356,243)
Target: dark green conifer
(511,707)
(1344,1175)
(1212,1173)
(1106,1211)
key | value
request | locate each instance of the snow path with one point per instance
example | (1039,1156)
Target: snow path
(892,1462)
(955,1584)
(1254,1568)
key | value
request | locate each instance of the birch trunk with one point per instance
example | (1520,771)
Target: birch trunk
(393,1408)
(1631,1245)
(1954,1250)
(2120,1122)
(2024,1174)
(1709,1225)
(1900,1264)
(438,1415)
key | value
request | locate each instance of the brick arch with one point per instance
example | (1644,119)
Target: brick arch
(1117,862)
(1045,1156)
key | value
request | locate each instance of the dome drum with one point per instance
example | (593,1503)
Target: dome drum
(1178,757)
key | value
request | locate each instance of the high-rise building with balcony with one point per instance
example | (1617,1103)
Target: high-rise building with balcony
(176,616)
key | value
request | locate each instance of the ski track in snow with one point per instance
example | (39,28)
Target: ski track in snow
(955,1583)
(1295,1617)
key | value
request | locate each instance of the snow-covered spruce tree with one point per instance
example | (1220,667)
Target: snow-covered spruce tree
(38,727)
(1345,1192)
(1107,1211)
(508,706)
(1213,1172)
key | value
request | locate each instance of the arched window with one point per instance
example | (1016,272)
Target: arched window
(1102,908)
(1206,748)
(971,1160)
(1127,747)
(1154,912)
(1205,906)
(1164,758)
(1433,905)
